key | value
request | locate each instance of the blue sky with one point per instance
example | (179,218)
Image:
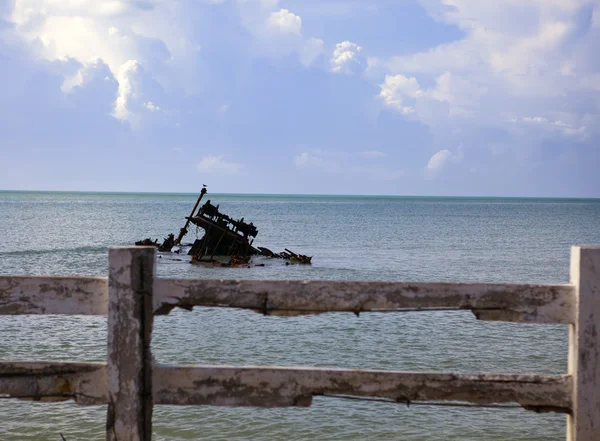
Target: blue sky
(402,97)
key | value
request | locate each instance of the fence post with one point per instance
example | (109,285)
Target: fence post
(130,288)
(584,345)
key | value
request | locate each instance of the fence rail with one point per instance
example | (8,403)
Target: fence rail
(284,386)
(130,383)
(524,303)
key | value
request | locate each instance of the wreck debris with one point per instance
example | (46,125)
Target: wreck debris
(287,255)
(226,241)
(147,243)
(267,252)
(184,230)
(298,258)
(168,243)
(166,246)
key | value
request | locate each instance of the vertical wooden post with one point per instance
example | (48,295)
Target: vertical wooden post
(130,287)
(584,346)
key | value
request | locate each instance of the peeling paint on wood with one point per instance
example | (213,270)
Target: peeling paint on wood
(279,386)
(286,386)
(54,381)
(584,346)
(515,303)
(53,295)
(130,286)
(130,384)
(79,295)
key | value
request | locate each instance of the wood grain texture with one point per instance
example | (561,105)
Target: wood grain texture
(53,295)
(506,302)
(54,381)
(285,386)
(130,287)
(584,346)
(280,386)
(516,303)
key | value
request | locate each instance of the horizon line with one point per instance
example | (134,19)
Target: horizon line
(295,194)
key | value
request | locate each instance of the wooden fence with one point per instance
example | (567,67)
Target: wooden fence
(131,383)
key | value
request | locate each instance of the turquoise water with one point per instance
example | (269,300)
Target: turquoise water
(352,238)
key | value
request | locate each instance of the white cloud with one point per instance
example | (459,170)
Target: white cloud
(440,160)
(516,59)
(535,119)
(451,96)
(151,106)
(93,70)
(219,166)
(305,159)
(285,22)
(397,90)
(72,81)
(137,90)
(562,127)
(277,32)
(346,58)
(115,31)
(120,33)
(154,34)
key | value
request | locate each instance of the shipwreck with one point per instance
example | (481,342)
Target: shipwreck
(225,242)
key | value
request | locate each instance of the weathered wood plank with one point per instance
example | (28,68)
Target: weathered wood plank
(286,386)
(515,303)
(53,295)
(130,287)
(54,381)
(584,346)
(89,295)
(279,386)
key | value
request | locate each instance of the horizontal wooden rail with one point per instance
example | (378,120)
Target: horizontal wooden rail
(283,386)
(53,295)
(86,383)
(131,383)
(488,301)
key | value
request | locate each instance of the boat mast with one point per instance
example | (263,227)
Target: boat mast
(184,230)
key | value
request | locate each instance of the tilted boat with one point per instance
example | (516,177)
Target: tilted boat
(226,241)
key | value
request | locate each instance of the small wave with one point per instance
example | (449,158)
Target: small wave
(83,249)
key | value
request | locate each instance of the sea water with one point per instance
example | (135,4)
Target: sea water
(351,238)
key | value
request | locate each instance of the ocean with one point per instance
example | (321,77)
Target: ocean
(351,238)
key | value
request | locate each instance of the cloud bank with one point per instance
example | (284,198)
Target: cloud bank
(459,93)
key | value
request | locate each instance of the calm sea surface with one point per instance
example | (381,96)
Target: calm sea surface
(351,238)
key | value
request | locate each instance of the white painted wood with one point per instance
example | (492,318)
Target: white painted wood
(53,295)
(131,295)
(89,295)
(516,303)
(584,346)
(281,386)
(284,386)
(130,287)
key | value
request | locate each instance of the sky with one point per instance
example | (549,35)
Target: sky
(390,97)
